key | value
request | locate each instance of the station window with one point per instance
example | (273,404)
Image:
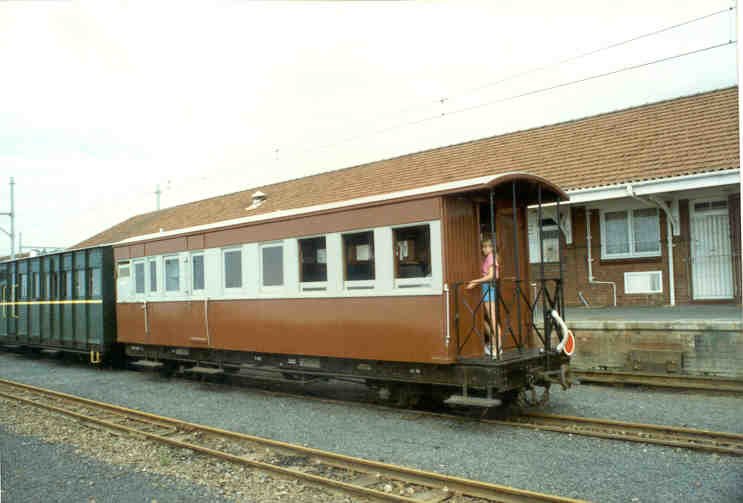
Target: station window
(172,275)
(313,260)
(412,252)
(233,269)
(272,265)
(359,256)
(153,275)
(197,270)
(139,277)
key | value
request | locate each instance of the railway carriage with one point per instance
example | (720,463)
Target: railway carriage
(368,289)
(60,302)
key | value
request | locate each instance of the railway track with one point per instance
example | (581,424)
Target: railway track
(685,382)
(669,436)
(672,436)
(359,477)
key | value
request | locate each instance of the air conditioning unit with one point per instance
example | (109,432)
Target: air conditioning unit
(643,282)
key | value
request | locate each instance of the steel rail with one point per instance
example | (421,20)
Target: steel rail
(673,436)
(703,383)
(431,487)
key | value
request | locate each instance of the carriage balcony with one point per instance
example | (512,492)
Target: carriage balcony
(519,315)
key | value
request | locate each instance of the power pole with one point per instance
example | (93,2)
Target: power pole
(11,214)
(157,195)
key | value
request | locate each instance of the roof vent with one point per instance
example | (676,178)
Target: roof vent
(258,199)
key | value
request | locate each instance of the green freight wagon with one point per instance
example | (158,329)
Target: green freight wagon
(60,302)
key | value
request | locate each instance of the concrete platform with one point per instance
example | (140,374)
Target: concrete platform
(694,339)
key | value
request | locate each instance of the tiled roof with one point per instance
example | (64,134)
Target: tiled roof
(691,134)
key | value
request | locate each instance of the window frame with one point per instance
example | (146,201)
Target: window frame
(197,291)
(267,245)
(358,284)
(150,262)
(312,286)
(223,266)
(165,261)
(631,254)
(419,281)
(134,264)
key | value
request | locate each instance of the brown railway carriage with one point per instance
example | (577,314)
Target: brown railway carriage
(370,288)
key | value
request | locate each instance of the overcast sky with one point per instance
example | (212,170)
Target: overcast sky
(102,103)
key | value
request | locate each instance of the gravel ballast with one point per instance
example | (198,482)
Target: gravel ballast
(594,469)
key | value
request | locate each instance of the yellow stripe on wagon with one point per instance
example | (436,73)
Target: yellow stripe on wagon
(49,302)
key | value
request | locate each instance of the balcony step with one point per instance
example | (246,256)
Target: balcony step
(205,370)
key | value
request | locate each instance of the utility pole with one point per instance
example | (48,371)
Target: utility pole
(157,195)
(11,214)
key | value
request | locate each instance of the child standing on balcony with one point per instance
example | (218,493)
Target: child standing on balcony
(490,272)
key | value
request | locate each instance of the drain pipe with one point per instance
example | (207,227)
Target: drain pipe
(671,222)
(589,261)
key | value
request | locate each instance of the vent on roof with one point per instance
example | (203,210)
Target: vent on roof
(258,199)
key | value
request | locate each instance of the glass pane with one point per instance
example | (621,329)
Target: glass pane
(172,275)
(413,252)
(139,277)
(313,260)
(36,286)
(198,272)
(646,230)
(233,269)
(153,276)
(124,271)
(95,283)
(68,284)
(24,285)
(359,256)
(617,233)
(273,265)
(80,284)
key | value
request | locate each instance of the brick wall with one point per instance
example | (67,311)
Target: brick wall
(575,270)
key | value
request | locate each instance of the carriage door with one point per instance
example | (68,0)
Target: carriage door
(711,261)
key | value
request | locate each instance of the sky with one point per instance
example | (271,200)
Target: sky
(102,102)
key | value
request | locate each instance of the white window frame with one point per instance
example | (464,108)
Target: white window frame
(158,276)
(629,274)
(411,283)
(223,268)
(364,285)
(164,275)
(133,273)
(630,224)
(201,291)
(313,287)
(272,288)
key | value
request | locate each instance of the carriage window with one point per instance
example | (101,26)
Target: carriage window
(66,285)
(23,280)
(233,269)
(172,275)
(80,284)
(153,275)
(94,282)
(197,266)
(139,277)
(272,265)
(52,292)
(313,263)
(35,286)
(358,251)
(412,252)
(124,270)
